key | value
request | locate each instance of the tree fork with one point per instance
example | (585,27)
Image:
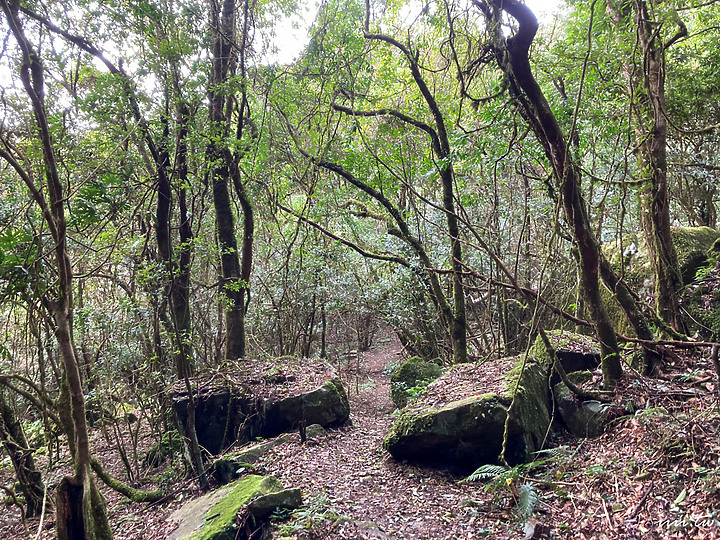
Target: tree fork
(512,56)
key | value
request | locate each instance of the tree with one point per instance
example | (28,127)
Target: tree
(16,446)
(224,111)
(649,112)
(512,56)
(81,511)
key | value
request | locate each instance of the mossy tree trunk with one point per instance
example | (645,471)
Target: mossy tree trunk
(87,515)
(13,439)
(513,59)
(649,112)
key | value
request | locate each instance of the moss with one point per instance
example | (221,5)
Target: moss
(335,387)
(135,495)
(170,443)
(702,307)
(691,245)
(411,376)
(220,519)
(407,424)
(563,341)
(419,420)
(530,409)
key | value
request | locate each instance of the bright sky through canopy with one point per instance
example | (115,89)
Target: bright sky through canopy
(292,32)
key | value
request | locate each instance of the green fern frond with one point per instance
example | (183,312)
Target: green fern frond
(528,498)
(487,472)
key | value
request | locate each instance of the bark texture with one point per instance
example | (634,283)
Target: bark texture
(513,58)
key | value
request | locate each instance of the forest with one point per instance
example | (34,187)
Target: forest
(447,272)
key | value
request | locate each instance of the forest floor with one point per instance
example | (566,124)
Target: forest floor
(653,474)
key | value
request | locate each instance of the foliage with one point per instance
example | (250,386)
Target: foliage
(303,521)
(330,266)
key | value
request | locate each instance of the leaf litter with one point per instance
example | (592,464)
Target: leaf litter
(654,474)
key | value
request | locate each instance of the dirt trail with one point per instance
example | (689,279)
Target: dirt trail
(348,474)
(351,475)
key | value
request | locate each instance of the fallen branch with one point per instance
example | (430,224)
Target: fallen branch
(135,495)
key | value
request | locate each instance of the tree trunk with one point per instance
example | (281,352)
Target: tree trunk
(655,203)
(224,59)
(13,438)
(650,115)
(513,59)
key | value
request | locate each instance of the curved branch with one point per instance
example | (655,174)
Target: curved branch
(351,245)
(395,114)
(135,495)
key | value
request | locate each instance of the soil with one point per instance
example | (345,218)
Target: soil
(654,474)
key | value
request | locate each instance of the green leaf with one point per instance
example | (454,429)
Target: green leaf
(487,472)
(528,498)
(681,497)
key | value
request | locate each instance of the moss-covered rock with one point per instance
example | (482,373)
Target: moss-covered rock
(169,444)
(411,376)
(696,247)
(701,307)
(215,516)
(232,411)
(469,432)
(316,431)
(232,465)
(691,244)
(582,418)
(575,352)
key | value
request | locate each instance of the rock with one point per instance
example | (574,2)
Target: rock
(358,528)
(415,373)
(315,431)
(231,411)
(469,432)
(701,307)
(230,466)
(691,244)
(169,444)
(585,419)
(287,499)
(215,516)
(327,406)
(225,413)
(575,352)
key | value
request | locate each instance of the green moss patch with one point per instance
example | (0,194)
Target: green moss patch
(220,521)
(411,378)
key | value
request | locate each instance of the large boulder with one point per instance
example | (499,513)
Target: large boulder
(327,405)
(575,352)
(582,418)
(411,377)
(701,307)
(461,419)
(224,412)
(691,245)
(465,415)
(236,511)
(258,399)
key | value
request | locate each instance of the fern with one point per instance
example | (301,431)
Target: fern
(487,472)
(528,498)
(557,452)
